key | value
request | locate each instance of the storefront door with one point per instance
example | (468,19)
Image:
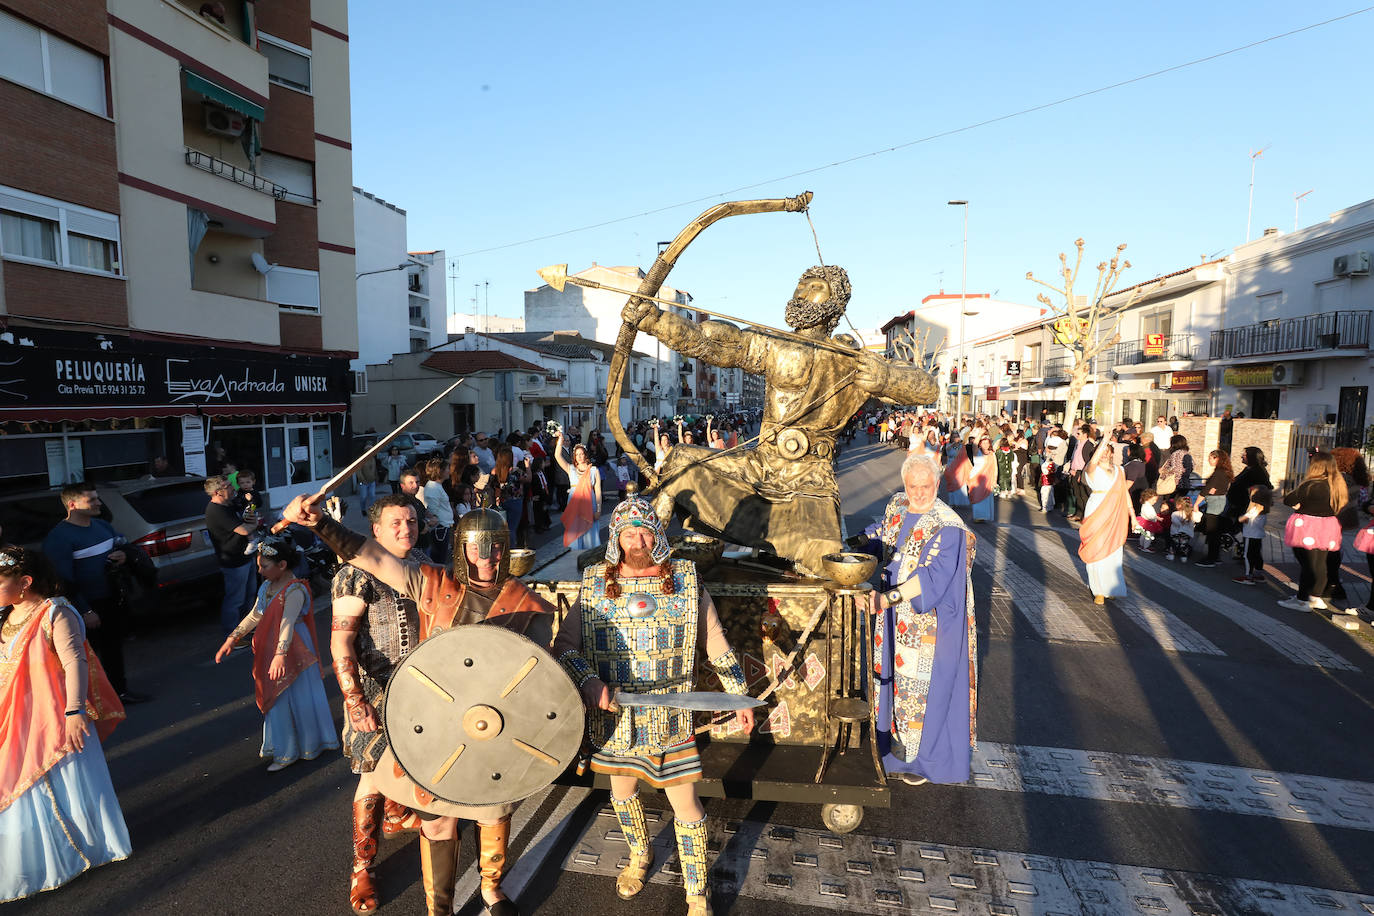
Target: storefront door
(1264,403)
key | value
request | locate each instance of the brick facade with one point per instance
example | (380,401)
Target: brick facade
(300,333)
(289,128)
(47,292)
(296,241)
(51,148)
(286,19)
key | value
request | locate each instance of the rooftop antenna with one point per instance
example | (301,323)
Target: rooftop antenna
(1249,211)
(1297,198)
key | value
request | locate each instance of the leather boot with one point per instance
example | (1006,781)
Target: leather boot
(362,888)
(492,863)
(438,874)
(398,819)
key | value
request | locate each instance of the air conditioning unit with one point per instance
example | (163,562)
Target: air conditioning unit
(563,374)
(536,381)
(1355,264)
(223,123)
(1289,374)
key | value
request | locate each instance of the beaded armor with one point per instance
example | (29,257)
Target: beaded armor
(642,642)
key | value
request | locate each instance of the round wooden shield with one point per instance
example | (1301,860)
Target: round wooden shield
(478,715)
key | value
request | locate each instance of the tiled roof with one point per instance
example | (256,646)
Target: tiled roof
(466,362)
(566,344)
(1177,273)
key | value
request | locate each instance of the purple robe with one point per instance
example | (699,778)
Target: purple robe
(924,653)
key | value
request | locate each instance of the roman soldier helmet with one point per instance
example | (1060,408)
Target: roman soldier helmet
(636,512)
(483,527)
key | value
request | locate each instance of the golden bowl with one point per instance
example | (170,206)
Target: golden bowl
(849,569)
(700,549)
(521,561)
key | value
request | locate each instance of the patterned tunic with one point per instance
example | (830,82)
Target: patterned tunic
(390,629)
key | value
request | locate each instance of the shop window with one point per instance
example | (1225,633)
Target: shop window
(42,230)
(287,64)
(42,61)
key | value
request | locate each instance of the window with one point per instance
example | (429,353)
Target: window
(294,290)
(29,236)
(359,381)
(41,230)
(42,61)
(295,175)
(287,64)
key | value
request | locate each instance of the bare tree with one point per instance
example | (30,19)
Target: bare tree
(1089,326)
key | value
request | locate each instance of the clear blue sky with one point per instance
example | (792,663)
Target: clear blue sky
(495,123)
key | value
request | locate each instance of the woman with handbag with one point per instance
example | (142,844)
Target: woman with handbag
(1313,529)
(1211,502)
(1355,472)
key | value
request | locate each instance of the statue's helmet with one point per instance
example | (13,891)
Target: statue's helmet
(636,512)
(483,528)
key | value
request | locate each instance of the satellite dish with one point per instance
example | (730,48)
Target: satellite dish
(260,263)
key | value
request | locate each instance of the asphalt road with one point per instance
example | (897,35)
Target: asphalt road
(1196,749)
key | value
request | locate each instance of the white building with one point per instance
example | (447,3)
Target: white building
(595,314)
(1295,340)
(460,323)
(401,294)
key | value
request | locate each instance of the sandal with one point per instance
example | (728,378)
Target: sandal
(633,876)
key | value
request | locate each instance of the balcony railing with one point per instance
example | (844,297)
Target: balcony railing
(1327,331)
(1057,367)
(1132,352)
(227,170)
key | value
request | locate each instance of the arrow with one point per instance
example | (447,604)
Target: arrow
(556,275)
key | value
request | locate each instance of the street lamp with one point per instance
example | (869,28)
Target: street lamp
(383,270)
(963,302)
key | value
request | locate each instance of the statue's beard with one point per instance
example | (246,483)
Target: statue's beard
(803,313)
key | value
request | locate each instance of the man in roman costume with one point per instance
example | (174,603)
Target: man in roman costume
(478,590)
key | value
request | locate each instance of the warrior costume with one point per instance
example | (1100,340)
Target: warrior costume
(445,599)
(641,635)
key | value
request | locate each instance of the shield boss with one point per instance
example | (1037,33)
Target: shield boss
(478,715)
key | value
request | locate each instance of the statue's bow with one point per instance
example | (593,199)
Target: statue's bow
(652,283)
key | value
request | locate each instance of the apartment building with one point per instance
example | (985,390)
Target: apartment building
(177,238)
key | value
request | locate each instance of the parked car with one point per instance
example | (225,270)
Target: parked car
(424,442)
(164,516)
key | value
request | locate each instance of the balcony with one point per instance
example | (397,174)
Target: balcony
(1057,368)
(1130,356)
(1328,331)
(230,172)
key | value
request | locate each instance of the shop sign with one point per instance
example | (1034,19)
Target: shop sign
(1248,376)
(954,389)
(1154,344)
(1013,368)
(991,394)
(52,374)
(1190,380)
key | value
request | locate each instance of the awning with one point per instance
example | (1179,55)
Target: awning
(222,96)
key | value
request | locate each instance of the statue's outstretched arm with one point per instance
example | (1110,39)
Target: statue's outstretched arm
(715,342)
(896,382)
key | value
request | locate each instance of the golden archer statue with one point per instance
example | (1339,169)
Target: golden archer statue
(780,495)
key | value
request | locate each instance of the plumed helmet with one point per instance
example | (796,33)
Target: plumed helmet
(635,512)
(483,527)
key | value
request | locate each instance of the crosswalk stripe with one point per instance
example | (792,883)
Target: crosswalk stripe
(1042,608)
(1134,778)
(1282,638)
(1164,626)
(858,873)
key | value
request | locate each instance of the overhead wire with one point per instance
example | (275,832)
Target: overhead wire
(929,138)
